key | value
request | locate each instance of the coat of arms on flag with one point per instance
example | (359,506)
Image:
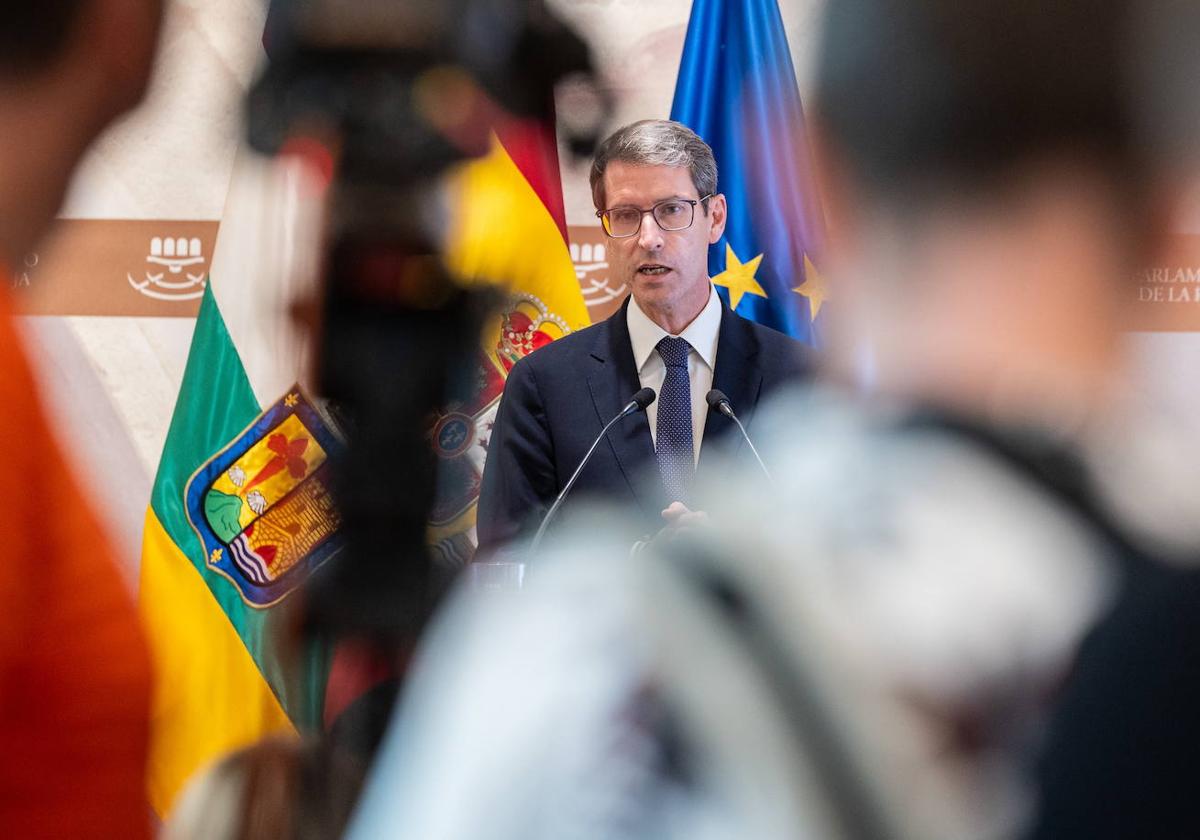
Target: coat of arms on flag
(460,436)
(262,506)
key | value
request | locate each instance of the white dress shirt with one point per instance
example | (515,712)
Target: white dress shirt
(702,335)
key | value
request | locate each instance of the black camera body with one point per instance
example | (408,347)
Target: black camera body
(397,91)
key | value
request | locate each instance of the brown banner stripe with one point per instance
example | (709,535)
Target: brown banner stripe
(158,268)
(117,267)
(140,267)
(1166,297)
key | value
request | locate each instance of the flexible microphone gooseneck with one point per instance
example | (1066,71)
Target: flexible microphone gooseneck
(638,402)
(717,401)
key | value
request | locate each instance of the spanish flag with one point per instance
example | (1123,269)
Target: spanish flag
(240,513)
(511,230)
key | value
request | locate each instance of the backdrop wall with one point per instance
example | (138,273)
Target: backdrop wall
(109,300)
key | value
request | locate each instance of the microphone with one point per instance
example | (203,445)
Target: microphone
(638,402)
(717,401)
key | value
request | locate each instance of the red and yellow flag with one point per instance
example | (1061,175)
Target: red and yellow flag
(509,229)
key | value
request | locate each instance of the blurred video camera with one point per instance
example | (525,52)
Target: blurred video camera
(393,93)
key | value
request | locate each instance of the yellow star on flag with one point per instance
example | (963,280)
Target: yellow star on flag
(814,289)
(738,277)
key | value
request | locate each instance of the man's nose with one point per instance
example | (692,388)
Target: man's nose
(650,235)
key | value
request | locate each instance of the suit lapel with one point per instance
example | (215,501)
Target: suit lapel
(739,377)
(612,380)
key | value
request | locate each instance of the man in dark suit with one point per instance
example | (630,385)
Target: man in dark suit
(654,184)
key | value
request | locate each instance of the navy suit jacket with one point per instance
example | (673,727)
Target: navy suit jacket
(558,398)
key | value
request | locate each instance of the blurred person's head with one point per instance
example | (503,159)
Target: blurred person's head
(67,69)
(1167,77)
(277,789)
(654,183)
(987,195)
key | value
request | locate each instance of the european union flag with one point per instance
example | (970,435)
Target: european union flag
(737,89)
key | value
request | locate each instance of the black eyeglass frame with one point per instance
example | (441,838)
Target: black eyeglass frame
(606,223)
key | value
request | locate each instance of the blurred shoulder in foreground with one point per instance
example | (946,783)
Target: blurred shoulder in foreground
(74,672)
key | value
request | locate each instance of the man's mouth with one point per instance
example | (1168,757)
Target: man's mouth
(652,270)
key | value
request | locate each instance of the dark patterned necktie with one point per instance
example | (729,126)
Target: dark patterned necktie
(673,438)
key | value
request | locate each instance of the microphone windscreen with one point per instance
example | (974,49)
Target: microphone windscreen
(643,398)
(715,398)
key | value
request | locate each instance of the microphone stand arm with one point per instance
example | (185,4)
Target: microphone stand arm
(725,408)
(541,531)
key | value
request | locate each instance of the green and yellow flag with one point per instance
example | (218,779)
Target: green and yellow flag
(240,512)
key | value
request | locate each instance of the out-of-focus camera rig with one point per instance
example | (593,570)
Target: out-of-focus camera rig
(397,91)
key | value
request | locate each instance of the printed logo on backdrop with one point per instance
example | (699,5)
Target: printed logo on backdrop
(589,252)
(1170,284)
(460,437)
(1166,297)
(262,507)
(23,279)
(177,269)
(117,267)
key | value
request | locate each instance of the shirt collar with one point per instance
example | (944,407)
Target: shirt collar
(702,333)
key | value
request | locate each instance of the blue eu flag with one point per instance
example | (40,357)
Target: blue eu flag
(737,90)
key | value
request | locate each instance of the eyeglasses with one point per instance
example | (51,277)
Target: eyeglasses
(670,215)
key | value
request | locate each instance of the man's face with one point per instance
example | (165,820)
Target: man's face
(667,271)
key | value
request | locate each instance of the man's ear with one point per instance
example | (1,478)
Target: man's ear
(718,214)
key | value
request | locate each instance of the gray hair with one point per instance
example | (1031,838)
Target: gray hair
(656,143)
